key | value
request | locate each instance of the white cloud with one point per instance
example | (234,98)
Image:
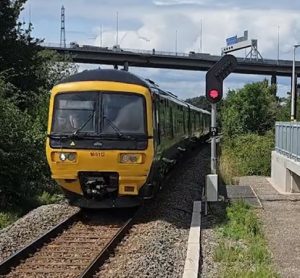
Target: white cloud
(177,2)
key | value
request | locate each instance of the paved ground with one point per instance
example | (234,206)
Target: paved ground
(281,221)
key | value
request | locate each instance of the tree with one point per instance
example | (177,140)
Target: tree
(23,170)
(200,102)
(284,109)
(27,73)
(23,63)
(18,49)
(251,109)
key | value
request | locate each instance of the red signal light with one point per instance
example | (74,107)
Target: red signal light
(214,94)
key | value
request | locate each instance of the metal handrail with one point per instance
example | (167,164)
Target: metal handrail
(287,139)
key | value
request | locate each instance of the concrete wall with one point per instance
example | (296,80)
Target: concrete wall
(285,174)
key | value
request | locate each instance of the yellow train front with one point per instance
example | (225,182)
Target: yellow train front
(109,137)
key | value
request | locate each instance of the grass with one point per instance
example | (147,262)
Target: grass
(46,198)
(6,218)
(242,250)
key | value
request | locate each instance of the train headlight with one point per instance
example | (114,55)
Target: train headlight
(62,157)
(131,158)
(72,156)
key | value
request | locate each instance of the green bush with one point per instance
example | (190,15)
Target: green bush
(245,155)
(23,168)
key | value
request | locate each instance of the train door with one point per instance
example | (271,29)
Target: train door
(156,120)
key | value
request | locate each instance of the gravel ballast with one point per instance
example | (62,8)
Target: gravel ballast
(156,245)
(31,226)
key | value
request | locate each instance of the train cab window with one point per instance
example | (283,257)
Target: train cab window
(74,111)
(99,113)
(123,113)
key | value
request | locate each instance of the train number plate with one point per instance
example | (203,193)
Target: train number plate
(97,154)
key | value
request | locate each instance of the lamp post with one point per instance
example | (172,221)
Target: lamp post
(293,85)
(176,42)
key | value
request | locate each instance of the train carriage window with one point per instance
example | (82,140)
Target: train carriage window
(172,113)
(156,120)
(194,122)
(181,120)
(170,125)
(162,118)
(201,121)
(174,120)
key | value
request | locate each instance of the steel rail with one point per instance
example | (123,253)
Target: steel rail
(16,259)
(24,253)
(107,250)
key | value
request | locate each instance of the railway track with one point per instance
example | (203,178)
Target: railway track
(76,247)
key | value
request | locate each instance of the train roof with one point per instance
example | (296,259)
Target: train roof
(126,77)
(173,97)
(105,75)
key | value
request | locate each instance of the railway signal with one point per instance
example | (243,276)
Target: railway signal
(214,93)
(215,76)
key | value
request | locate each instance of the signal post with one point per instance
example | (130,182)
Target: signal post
(214,93)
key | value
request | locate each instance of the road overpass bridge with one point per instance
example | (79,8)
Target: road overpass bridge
(169,60)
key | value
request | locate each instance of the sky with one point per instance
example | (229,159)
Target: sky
(170,25)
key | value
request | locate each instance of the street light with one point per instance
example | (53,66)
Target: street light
(176,43)
(293,85)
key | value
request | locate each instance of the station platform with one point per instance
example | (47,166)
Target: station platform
(280,216)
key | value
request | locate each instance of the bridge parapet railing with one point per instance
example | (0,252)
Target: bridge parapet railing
(93,48)
(287,139)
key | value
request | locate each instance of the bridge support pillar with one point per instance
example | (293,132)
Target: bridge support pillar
(126,66)
(274,82)
(273,79)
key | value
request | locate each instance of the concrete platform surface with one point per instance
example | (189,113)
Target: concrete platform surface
(281,224)
(244,192)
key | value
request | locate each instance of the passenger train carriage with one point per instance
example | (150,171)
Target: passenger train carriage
(112,136)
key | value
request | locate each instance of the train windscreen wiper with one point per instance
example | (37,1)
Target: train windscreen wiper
(84,124)
(117,130)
